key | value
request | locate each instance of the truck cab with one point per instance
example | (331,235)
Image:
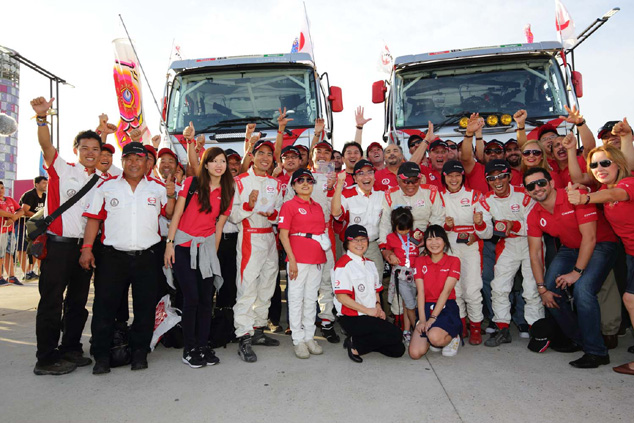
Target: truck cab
(220,96)
(446,87)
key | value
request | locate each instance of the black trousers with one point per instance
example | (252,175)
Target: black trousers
(227,252)
(115,272)
(60,271)
(373,334)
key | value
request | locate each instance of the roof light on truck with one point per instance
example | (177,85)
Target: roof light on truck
(492,120)
(464,121)
(506,119)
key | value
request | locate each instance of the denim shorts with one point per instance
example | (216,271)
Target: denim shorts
(448,319)
(7,243)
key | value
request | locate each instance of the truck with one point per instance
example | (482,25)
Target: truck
(221,95)
(445,87)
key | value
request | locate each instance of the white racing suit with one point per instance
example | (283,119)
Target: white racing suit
(257,258)
(461,206)
(511,254)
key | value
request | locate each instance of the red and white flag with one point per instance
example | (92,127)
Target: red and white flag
(304,43)
(386,61)
(565,25)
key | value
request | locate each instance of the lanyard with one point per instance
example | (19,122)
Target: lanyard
(406,249)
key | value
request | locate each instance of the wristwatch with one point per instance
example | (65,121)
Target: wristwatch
(576,269)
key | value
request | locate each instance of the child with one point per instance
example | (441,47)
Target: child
(403,244)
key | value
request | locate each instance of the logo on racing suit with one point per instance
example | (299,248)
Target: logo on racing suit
(420,203)
(357,219)
(424,269)
(385,181)
(302,211)
(71,192)
(270,189)
(337,284)
(465,202)
(542,222)
(361,287)
(114,202)
(151,201)
(515,208)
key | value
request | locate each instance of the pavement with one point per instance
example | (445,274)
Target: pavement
(505,384)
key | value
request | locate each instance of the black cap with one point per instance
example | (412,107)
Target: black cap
(361,164)
(544,129)
(607,128)
(494,143)
(437,143)
(134,148)
(412,139)
(541,332)
(299,173)
(354,231)
(511,141)
(409,170)
(231,152)
(452,166)
(263,143)
(500,165)
(291,149)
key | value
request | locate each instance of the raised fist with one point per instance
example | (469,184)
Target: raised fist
(253,198)
(135,134)
(520,118)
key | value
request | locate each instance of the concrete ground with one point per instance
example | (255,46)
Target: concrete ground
(506,384)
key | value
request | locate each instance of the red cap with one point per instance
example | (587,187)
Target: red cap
(166,150)
(108,147)
(151,150)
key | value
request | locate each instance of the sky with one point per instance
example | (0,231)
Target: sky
(73,39)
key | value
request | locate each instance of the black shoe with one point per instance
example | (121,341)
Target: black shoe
(274,327)
(59,367)
(193,358)
(347,343)
(101,367)
(259,338)
(503,336)
(569,347)
(590,361)
(329,332)
(77,357)
(139,360)
(611,341)
(209,355)
(245,350)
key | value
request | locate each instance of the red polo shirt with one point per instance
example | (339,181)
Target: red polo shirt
(384,179)
(620,215)
(195,223)
(349,180)
(564,174)
(434,275)
(300,216)
(432,176)
(397,243)
(9,205)
(564,222)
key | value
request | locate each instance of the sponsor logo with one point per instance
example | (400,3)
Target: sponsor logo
(281,219)
(337,283)
(270,189)
(114,202)
(420,203)
(302,211)
(284,187)
(590,214)
(568,212)
(424,269)
(151,201)
(71,192)
(432,177)
(361,287)
(357,219)
(465,202)
(515,208)
(543,222)
(385,181)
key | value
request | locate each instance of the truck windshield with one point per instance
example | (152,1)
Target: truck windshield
(435,94)
(222,99)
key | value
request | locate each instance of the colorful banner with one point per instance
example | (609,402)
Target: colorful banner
(565,25)
(127,83)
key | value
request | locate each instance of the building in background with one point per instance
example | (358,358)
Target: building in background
(9,100)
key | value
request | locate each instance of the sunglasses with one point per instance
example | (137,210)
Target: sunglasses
(415,143)
(536,153)
(309,181)
(538,183)
(602,163)
(452,147)
(494,178)
(493,151)
(414,181)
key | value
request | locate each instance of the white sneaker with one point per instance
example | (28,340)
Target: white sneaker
(451,348)
(313,347)
(301,350)
(434,349)
(407,338)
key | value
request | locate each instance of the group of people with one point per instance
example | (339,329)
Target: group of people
(401,254)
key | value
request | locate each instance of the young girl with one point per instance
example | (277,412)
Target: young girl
(436,276)
(197,230)
(403,244)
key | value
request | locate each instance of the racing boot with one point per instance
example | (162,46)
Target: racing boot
(476,333)
(328,331)
(465,330)
(259,338)
(245,351)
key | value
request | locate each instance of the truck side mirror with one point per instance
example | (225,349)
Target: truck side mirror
(336,99)
(378,92)
(577,83)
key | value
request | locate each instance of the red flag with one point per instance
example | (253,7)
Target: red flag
(565,25)
(529,34)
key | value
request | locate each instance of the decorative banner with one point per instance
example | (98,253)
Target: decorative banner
(127,83)
(528,33)
(565,25)
(386,61)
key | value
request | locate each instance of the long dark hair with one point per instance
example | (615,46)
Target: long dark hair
(226,182)
(436,231)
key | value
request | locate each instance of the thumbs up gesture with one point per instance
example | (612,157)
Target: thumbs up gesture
(574,195)
(170,185)
(40,105)
(477,218)
(189,132)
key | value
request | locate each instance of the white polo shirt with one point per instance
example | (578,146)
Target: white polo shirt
(65,180)
(361,209)
(130,219)
(357,277)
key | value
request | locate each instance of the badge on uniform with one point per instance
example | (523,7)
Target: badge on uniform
(418,236)
(463,238)
(500,228)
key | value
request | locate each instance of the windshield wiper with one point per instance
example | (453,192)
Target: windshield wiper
(451,119)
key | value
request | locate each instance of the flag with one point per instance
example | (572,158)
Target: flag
(304,43)
(386,61)
(528,33)
(565,25)
(127,83)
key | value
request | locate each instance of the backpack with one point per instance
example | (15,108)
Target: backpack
(222,329)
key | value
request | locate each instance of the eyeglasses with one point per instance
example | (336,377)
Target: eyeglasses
(536,153)
(309,181)
(539,183)
(411,181)
(602,163)
(415,143)
(452,146)
(494,178)
(362,173)
(493,151)
(359,240)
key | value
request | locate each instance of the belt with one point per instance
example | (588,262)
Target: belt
(310,236)
(64,239)
(134,253)
(258,230)
(463,228)
(230,235)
